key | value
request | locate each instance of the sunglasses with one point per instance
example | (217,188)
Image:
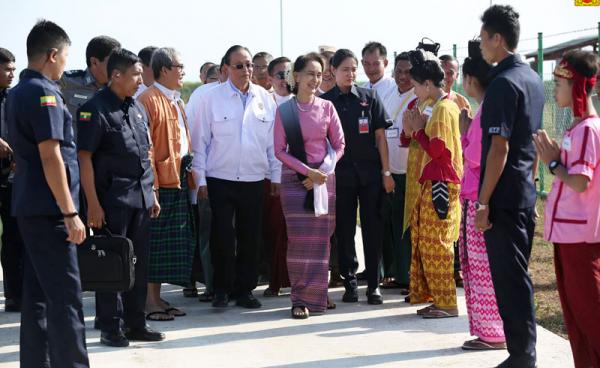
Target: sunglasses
(280,75)
(241,66)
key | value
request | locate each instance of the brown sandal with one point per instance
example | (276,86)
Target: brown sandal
(425,310)
(435,313)
(479,344)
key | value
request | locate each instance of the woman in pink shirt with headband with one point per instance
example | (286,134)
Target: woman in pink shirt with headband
(572,219)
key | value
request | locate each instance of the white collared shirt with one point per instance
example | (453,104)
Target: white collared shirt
(395,103)
(233,142)
(281,99)
(175,97)
(384,87)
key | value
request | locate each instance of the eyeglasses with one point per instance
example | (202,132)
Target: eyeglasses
(241,66)
(178,66)
(260,67)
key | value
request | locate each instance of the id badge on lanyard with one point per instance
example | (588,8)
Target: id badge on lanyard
(363,124)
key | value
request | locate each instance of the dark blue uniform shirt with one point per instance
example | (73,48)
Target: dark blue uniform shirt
(512,108)
(36,112)
(361,113)
(116,133)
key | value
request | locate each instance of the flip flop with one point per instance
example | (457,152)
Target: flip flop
(303,315)
(435,313)
(175,312)
(425,310)
(159,313)
(478,344)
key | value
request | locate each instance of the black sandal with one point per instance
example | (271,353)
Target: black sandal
(159,313)
(303,315)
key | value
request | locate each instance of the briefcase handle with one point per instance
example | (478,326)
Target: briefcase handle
(98,231)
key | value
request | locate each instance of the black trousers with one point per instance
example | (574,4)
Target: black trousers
(508,244)
(234,249)
(52,327)
(119,310)
(348,197)
(12,248)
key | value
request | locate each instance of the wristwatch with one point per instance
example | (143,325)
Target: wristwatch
(553,165)
(480,207)
(387,173)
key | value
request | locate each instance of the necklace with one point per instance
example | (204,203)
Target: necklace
(301,109)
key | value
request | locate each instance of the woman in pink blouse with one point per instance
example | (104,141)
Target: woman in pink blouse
(572,218)
(484,319)
(310,220)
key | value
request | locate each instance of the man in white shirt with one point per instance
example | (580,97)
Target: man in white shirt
(396,245)
(374,61)
(233,154)
(145,55)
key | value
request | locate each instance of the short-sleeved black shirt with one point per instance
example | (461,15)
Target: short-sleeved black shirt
(512,108)
(361,157)
(115,132)
(36,112)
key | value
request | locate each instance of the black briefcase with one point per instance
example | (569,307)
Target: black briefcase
(106,262)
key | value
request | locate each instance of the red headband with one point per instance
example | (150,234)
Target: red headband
(580,84)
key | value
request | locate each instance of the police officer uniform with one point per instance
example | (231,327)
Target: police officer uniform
(78,87)
(52,317)
(12,243)
(358,176)
(115,132)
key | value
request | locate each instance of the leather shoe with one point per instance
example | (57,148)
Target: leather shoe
(116,339)
(144,334)
(350,296)
(220,300)
(248,301)
(12,305)
(374,296)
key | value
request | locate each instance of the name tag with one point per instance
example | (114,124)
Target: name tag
(83,97)
(392,133)
(494,130)
(566,144)
(363,125)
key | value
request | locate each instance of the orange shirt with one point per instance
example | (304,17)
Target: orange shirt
(460,100)
(166,138)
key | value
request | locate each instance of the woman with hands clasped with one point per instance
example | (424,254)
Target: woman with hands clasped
(435,218)
(572,219)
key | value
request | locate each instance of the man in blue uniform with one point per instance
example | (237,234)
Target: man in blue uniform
(12,244)
(78,86)
(45,202)
(511,113)
(117,180)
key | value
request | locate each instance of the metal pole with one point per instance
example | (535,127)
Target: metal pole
(540,70)
(454,54)
(598,45)
(281,24)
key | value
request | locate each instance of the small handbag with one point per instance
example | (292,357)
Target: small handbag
(106,262)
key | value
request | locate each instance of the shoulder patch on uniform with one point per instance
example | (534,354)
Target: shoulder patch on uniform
(494,130)
(47,100)
(85,116)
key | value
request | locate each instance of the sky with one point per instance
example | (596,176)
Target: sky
(202,31)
